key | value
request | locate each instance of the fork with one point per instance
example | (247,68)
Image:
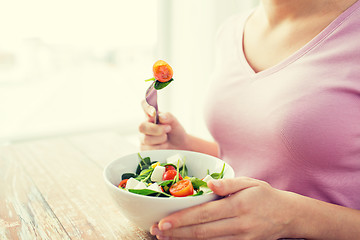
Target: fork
(151,99)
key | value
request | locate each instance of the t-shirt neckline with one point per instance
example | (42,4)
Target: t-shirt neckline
(320,37)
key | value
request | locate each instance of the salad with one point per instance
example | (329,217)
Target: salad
(169,179)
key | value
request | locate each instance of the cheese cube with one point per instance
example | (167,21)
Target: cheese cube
(155,187)
(140,185)
(207,178)
(157,174)
(131,183)
(175,159)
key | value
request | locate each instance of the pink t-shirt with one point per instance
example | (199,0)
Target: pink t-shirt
(295,125)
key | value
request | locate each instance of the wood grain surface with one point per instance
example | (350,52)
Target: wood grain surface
(54,189)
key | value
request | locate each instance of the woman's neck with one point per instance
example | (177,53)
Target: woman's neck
(277,11)
(278,28)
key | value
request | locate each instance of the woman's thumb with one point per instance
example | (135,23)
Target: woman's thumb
(224,187)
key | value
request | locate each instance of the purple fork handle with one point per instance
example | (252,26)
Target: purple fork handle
(151,99)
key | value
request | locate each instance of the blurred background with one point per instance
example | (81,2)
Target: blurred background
(70,66)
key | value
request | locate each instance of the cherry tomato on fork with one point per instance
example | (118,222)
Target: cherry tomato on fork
(162,71)
(182,188)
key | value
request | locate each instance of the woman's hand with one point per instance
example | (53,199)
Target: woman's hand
(168,134)
(251,209)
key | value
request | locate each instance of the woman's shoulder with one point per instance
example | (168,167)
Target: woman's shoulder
(233,23)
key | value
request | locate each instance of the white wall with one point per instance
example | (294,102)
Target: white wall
(93,79)
(81,72)
(193,27)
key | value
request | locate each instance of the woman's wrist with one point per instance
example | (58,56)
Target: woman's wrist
(314,219)
(294,216)
(196,144)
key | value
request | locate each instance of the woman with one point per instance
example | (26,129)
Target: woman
(287,101)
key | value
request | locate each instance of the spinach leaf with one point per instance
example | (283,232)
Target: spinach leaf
(128,175)
(197,194)
(176,178)
(144,163)
(197,183)
(165,183)
(160,85)
(183,169)
(218,175)
(149,192)
(167,164)
(145,175)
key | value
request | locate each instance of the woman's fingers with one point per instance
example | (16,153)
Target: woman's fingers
(203,213)
(168,133)
(153,140)
(166,118)
(153,136)
(144,147)
(210,230)
(228,186)
(152,129)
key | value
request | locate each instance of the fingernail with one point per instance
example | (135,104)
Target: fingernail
(167,128)
(155,231)
(216,183)
(165,226)
(163,116)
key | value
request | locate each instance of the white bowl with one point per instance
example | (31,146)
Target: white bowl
(144,211)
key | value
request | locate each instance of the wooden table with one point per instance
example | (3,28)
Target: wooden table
(54,189)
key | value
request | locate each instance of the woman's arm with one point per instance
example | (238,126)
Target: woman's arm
(255,210)
(321,220)
(200,145)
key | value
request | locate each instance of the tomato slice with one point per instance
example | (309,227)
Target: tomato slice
(122,184)
(162,71)
(170,175)
(182,188)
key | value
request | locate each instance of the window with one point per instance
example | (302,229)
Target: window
(73,65)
